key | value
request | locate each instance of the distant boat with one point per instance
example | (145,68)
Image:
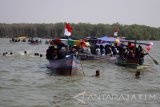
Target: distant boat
(21,39)
(70,65)
(35,41)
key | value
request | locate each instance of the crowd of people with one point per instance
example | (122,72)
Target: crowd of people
(34,41)
(17,40)
(58,50)
(30,40)
(131,51)
(108,49)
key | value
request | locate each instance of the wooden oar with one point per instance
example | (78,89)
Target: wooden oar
(82,69)
(156,62)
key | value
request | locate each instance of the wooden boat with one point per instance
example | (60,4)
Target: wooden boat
(22,39)
(84,56)
(133,63)
(70,65)
(35,41)
(136,62)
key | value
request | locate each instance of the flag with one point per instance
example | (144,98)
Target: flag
(115,33)
(67,30)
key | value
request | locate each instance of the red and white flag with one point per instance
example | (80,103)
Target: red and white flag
(68,30)
(116,31)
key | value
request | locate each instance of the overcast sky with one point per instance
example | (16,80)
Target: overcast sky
(143,12)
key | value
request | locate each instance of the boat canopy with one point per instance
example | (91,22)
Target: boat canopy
(22,37)
(106,38)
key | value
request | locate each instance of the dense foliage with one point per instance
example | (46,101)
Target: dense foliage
(80,30)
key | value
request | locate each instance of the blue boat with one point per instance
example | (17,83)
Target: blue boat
(70,65)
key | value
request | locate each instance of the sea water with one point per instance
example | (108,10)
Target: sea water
(25,81)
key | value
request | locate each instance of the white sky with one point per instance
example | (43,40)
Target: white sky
(143,12)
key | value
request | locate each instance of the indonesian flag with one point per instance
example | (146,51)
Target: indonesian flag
(116,31)
(68,30)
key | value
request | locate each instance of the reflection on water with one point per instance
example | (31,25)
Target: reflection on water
(25,81)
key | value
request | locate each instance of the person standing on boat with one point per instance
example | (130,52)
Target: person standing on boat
(141,57)
(131,54)
(52,51)
(102,49)
(62,53)
(61,49)
(114,50)
(110,50)
(75,49)
(140,54)
(98,51)
(106,49)
(138,50)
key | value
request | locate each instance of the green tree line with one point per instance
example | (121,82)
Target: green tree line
(80,30)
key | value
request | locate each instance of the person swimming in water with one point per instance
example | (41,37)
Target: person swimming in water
(11,53)
(97,73)
(25,52)
(41,55)
(137,74)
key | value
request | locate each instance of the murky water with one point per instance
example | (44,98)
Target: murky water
(25,81)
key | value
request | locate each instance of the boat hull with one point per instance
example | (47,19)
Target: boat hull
(84,56)
(132,63)
(67,66)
